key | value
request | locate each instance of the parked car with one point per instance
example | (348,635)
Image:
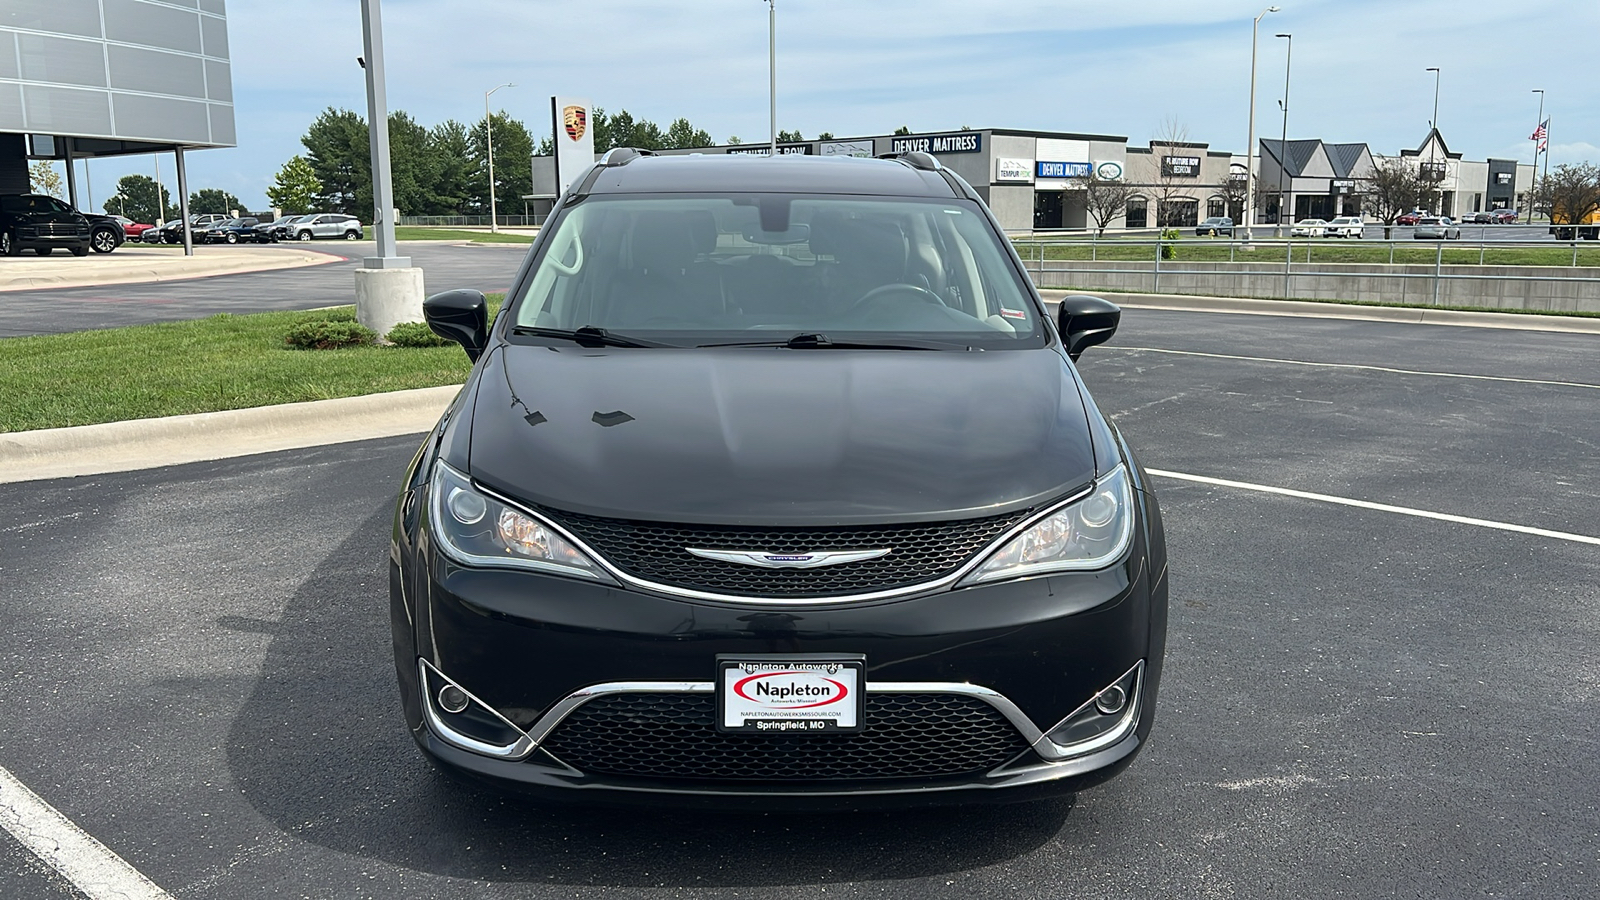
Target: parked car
(172,232)
(1346,227)
(701,530)
(278,230)
(1309,228)
(105,232)
(1214,226)
(1439,228)
(1503,216)
(229,231)
(132,230)
(327,225)
(42,224)
(1410,218)
(1478,218)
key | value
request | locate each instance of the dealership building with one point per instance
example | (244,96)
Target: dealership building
(83,79)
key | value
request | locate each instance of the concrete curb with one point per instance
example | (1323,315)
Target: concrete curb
(151,443)
(1305,309)
(146,270)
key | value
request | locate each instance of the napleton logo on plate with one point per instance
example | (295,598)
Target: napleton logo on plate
(576,120)
(791,689)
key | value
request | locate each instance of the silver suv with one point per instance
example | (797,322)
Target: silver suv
(327,225)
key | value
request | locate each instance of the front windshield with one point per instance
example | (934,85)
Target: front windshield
(688,271)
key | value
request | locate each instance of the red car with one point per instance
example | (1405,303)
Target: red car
(131,228)
(1410,218)
(1503,216)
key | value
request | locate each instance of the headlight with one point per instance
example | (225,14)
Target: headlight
(480,530)
(1086,534)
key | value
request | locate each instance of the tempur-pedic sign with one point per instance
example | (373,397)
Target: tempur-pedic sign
(961,142)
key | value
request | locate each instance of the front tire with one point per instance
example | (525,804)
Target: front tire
(103,241)
(9,245)
(233,238)
(352,235)
(80,251)
(303,236)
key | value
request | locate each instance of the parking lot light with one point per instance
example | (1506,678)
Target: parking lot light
(488,133)
(1250,146)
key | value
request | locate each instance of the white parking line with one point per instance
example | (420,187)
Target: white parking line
(1323,365)
(91,866)
(1380,507)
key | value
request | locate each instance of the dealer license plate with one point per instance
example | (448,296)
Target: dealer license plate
(795,694)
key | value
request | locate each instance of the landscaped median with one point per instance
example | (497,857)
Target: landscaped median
(220,363)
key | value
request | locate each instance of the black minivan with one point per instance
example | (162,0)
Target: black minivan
(774,484)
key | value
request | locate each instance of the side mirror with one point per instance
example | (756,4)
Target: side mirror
(1085,321)
(461,316)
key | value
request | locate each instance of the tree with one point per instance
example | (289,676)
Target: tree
(1394,187)
(789,137)
(1171,186)
(1105,198)
(453,191)
(136,198)
(1571,194)
(734,140)
(683,136)
(340,155)
(903,129)
(1233,187)
(415,165)
(825,136)
(513,155)
(45,178)
(214,200)
(295,189)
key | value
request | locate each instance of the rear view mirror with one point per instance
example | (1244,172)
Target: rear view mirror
(1085,321)
(461,316)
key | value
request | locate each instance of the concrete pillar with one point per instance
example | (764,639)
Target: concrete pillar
(183,204)
(387,297)
(72,176)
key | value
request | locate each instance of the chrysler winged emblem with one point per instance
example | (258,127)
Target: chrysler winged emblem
(576,120)
(814,560)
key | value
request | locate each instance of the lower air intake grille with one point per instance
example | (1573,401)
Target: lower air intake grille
(674,736)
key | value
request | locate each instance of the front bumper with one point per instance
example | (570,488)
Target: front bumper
(535,648)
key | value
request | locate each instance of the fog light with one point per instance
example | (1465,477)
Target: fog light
(452,699)
(1111,700)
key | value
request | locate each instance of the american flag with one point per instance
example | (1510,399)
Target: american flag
(1541,134)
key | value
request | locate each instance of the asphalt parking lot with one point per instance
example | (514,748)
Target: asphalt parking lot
(487,267)
(1357,703)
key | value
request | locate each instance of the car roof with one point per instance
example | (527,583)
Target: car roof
(786,174)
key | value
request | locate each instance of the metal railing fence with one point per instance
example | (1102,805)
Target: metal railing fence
(1279,257)
(473,221)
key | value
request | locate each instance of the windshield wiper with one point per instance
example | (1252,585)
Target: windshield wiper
(588,336)
(812,340)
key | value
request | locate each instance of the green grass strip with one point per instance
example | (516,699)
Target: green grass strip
(202,365)
(425,233)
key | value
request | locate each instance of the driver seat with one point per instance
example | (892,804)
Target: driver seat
(867,253)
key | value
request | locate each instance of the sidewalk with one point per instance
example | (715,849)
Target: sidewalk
(143,263)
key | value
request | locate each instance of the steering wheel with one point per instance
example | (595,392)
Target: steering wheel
(916,291)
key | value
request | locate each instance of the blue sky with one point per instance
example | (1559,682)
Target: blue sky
(856,67)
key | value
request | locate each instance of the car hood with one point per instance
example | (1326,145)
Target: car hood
(778,436)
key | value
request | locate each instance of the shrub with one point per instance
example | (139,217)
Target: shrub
(1167,250)
(415,334)
(325,335)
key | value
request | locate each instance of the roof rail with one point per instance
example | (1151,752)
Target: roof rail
(621,156)
(916,159)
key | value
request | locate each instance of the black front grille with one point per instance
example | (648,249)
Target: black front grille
(656,551)
(674,736)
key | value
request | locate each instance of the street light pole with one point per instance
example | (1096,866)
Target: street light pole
(1537,122)
(1283,141)
(1250,147)
(1433,126)
(488,133)
(772,69)
(378,140)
